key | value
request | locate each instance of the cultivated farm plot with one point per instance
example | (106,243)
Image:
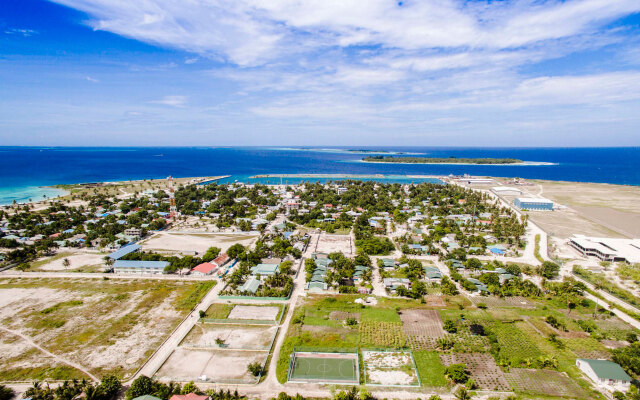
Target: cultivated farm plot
(493,301)
(198,242)
(254,313)
(335,243)
(378,333)
(224,366)
(343,315)
(422,328)
(483,368)
(235,337)
(544,382)
(392,368)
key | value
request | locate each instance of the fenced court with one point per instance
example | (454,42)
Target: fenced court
(342,368)
(390,368)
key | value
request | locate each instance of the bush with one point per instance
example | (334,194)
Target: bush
(450,326)
(457,373)
(255,368)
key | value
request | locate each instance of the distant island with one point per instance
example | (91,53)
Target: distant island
(441,160)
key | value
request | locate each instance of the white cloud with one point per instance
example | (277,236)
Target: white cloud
(173,101)
(90,79)
(21,32)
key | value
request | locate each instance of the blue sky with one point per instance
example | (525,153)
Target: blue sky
(320,72)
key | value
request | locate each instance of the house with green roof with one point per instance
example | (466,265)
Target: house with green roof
(265,269)
(251,285)
(605,374)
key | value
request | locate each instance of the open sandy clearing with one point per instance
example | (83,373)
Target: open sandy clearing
(254,312)
(76,260)
(198,242)
(234,336)
(335,243)
(186,365)
(104,326)
(389,368)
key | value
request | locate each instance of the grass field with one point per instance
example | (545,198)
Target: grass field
(107,326)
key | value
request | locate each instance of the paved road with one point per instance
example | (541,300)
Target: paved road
(97,275)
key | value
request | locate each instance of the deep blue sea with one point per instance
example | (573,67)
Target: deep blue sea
(24,170)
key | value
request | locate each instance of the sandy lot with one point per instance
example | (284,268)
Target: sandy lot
(104,326)
(615,207)
(335,243)
(254,312)
(199,242)
(389,368)
(236,337)
(76,260)
(186,365)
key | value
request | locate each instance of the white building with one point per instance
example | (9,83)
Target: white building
(506,190)
(607,249)
(605,374)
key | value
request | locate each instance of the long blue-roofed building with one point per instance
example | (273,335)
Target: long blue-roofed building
(123,251)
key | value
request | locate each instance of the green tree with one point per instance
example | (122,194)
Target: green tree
(139,387)
(255,368)
(190,388)
(549,269)
(6,393)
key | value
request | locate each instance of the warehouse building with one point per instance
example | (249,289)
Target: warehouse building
(607,249)
(530,203)
(606,374)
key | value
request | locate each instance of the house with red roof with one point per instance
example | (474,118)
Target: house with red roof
(190,396)
(204,269)
(209,268)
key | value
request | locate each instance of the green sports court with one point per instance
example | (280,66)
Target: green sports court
(324,367)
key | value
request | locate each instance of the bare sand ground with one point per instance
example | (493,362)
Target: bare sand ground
(235,336)
(106,326)
(76,260)
(254,312)
(186,365)
(199,242)
(389,368)
(616,207)
(335,243)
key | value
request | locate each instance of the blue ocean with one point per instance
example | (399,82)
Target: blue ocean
(24,171)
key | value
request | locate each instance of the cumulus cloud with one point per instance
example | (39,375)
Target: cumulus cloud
(377,60)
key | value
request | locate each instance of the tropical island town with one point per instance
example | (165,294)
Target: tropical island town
(191,289)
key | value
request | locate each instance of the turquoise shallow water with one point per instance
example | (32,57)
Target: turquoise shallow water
(29,193)
(24,170)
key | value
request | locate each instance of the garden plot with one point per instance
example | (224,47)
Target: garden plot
(393,368)
(484,371)
(492,301)
(422,328)
(544,382)
(343,315)
(204,336)
(335,243)
(190,242)
(254,313)
(224,366)
(435,301)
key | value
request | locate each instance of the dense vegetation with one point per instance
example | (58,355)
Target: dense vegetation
(441,160)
